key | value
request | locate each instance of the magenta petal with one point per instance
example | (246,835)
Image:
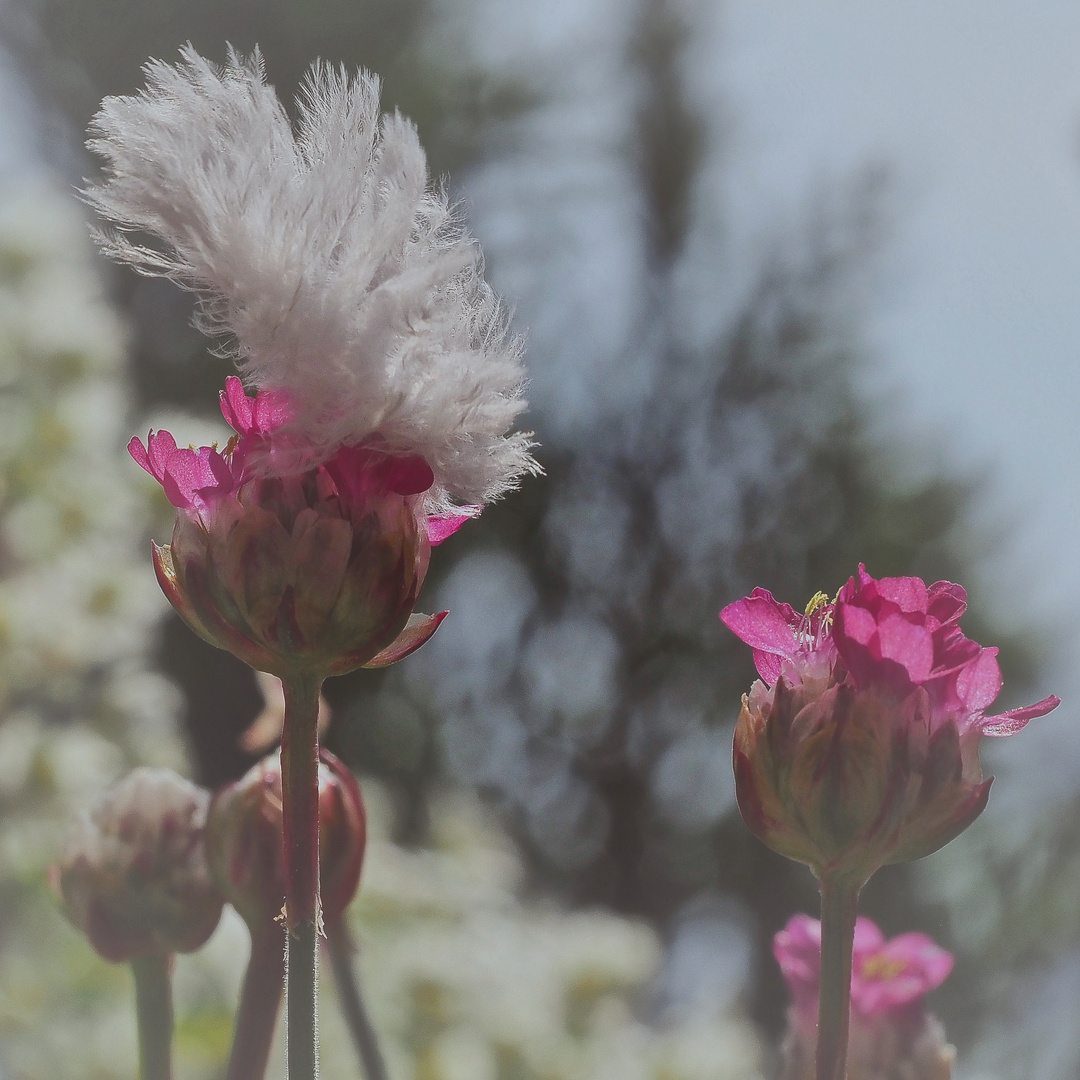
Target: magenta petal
(235,405)
(917,966)
(417,630)
(160,447)
(766,626)
(441,527)
(408,475)
(270,410)
(855,623)
(191,471)
(908,593)
(769,666)
(947,601)
(922,956)
(1009,723)
(797,949)
(868,936)
(979,682)
(140,455)
(910,645)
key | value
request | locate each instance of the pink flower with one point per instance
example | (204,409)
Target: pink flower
(899,632)
(193,479)
(891,1032)
(860,744)
(885,975)
(288,560)
(892,632)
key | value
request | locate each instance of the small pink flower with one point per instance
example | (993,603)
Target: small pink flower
(891,1032)
(290,561)
(885,975)
(860,744)
(893,632)
(194,478)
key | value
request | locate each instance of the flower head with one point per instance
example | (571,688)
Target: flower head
(344,279)
(133,876)
(312,569)
(891,1035)
(244,844)
(859,746)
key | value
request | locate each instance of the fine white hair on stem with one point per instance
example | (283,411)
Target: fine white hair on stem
(331,266)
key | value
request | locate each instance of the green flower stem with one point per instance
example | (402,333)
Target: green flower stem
(839,904)
(300,823)
(154,1013)
(260,1002)
(339,945)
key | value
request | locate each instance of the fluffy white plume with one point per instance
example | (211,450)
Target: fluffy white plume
(334,268)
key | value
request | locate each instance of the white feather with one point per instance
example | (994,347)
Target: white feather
(334,268)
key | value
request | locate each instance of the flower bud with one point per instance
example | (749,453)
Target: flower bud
(293,563)
(244,840)
(132,874)
(843,778)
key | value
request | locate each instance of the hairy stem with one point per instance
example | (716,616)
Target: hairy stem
(154,1014)
(342,952)
(260,1002)
(839,903)
(300,822)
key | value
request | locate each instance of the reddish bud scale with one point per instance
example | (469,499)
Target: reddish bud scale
(851,777)
(244,840)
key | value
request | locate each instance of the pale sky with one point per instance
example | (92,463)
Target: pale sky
(977,107)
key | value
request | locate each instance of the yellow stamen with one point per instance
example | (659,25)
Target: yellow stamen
(818,600)
(882,967)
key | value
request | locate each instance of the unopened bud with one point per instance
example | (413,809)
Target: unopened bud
(133,875)
(244,840)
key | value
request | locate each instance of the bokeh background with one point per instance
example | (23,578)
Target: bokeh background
(800,282)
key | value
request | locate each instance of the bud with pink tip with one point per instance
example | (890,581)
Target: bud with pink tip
(859,745)
(892,1035)
(132,875)
(292,563)
(244,846)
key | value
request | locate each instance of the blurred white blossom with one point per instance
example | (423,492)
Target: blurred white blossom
(468,982)
(78,609)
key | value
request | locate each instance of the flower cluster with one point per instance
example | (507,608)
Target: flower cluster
(859,746)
